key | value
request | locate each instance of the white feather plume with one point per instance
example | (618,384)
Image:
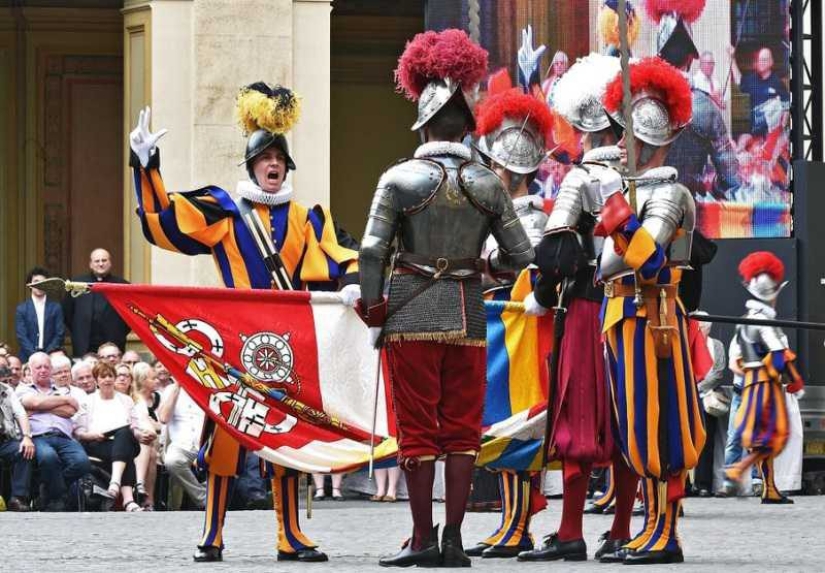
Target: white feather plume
(585,81)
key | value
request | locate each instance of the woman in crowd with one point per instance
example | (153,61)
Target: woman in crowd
(386,484)
(146,400)
(123,379)
(109,431)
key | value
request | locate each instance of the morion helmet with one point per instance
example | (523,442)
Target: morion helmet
(762,274)
(674,37)
(577,96)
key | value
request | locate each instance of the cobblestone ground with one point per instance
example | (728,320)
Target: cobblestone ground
(718,535)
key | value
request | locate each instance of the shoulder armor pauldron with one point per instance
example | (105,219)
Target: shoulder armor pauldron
(413,183)
(482,187)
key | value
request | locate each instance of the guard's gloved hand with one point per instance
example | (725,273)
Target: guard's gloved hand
(616,211)
(532,307)
(610,183)
(350,295)
(142,141)
(528,59)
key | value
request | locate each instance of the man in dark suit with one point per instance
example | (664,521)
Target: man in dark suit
(38,321)
(90,318)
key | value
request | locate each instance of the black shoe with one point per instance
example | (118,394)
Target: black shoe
(452,551)
(777,500)
(704,493)
(310,555)
(208,554)
(553,549)
(654,557)
(477,550)
(501,552)
(594,509)
(428,556)
(18,504)
(611,550)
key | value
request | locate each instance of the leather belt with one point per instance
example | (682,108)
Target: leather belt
(616,290)
(442,265)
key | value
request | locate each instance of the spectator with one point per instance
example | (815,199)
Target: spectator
(90,318)
(184,420)
(82,377)
(61,459)
(147,399)
(25,374)
(109,352)
(62,376)
(123,379)
(386,484)
(109,431)
(733,448)
(705,80)
(558,67)
(16,367)
(716,405)
(38,321)
(768,94)
(336,486)
(91,358)
(162,375)
(130,357)
(16,445)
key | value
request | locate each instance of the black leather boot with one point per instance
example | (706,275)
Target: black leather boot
(427,556)
(452,552)
(553,549)
(208,554)
(611,550)
(477,550)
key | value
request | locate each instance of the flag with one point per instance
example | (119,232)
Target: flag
(290,375)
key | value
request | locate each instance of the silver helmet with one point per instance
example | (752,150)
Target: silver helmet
(764,287)
(436,95)
(577,95)
(515,145)
(652,123)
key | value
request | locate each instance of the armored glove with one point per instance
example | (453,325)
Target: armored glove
(141,140)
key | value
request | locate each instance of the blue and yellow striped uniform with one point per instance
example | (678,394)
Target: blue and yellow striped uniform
(661,436)
(208,222)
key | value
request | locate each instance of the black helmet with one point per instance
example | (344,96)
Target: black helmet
(260,141)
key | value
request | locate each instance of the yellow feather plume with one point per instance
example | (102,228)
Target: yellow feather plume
(609,27)
(276,114)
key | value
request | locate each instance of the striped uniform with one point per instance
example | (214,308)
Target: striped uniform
(500,401)
(655,400)
(208,222)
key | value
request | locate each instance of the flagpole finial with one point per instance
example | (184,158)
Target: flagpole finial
(55,286)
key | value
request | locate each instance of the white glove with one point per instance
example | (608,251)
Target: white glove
(532,307)
(528,58)
(143,141)
(535,235)
(350,295)
(610,183)
(375,333)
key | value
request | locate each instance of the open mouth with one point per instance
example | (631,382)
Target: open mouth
(273,177)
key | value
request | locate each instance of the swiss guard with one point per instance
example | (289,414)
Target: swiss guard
(648,221)
(440,206)
(262,240)
(581,426)
(764,356)
(513,131)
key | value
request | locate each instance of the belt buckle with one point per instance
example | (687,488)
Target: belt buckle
(441,265)
(608,290)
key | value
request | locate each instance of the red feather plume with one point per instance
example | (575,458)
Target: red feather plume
(687,10)
(657,76)
(515,104)
(762,262)
(438,55)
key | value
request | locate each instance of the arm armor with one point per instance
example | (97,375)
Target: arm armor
(377,243)
(670,208)
(514,249)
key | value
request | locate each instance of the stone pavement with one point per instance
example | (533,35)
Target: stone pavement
(718,535)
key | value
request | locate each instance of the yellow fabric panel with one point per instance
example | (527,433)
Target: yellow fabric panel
(641,247)
(316,267)
(628,328)
(158,236)
(613,313)
(222,457)
(653,412)
(192,223)
(294,241)
(158,186)
(522,287)
(236,262)
(522,344)
(491,450)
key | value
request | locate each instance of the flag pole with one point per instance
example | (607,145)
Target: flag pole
(374,416)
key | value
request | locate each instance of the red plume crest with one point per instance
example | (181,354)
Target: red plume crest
(762,262)
(658,77)
(515,104)
(687,10)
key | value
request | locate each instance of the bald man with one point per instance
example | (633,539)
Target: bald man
(90,319)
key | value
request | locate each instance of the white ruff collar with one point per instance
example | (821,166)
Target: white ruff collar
(525,200)
(659,173)
(608,153)
(251,192)
(433,148)
(760,307)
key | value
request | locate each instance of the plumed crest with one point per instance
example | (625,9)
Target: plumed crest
(499,82)
(687,10)
(657,77)
(260,106)
(761,262)
(609,23)
(436,56)
(585,80)
(516,105)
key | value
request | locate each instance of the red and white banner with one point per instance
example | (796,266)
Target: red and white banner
(290,375)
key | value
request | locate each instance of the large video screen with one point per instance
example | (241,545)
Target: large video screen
(737,162)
